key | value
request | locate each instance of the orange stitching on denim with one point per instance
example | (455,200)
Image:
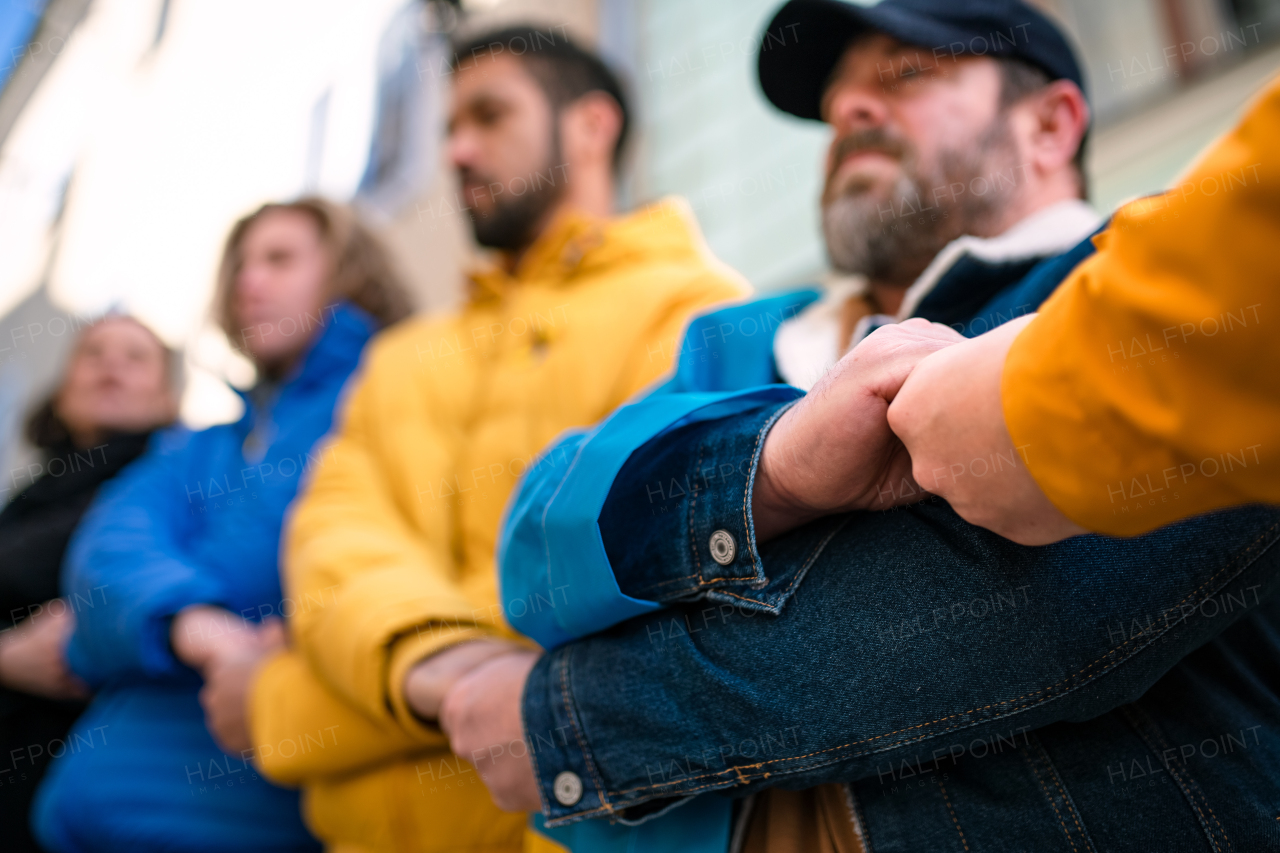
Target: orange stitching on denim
(1033,760)
(804,567)
(1221,828)
(573,721)
(1057,783)
(554,821)
(954,819)
(1190,788)
(813,555)
(1075,815)
(1048,795)
(1044,690)
(701,581)
(693,502)
(1147,730)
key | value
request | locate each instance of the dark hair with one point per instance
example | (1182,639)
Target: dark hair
(45,428)
(362,270)
(564,71)
(1018,79)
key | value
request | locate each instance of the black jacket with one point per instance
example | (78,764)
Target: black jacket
(37,524)
(34,531)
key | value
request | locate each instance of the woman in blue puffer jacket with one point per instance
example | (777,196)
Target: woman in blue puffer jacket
(177,559)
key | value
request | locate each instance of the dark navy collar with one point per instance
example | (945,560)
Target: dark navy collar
(970,283)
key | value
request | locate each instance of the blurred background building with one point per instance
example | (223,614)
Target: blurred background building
(133,132)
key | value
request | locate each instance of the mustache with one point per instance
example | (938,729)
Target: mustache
(872,139)
(468,175)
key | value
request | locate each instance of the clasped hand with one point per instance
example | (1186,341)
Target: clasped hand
(834,451)
(226,650)
(872,434)
(473,690)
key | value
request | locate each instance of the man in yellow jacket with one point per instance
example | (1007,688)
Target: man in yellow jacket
(389,555)
(1147,389)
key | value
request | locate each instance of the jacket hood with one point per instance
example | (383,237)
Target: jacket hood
(333,354)
(577,244)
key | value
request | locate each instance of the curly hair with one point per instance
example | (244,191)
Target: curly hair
(362,270)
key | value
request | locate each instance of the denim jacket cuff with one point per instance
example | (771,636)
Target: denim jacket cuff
(569,783)
(696,487)
(722,542)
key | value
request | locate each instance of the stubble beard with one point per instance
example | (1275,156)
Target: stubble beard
(891,238)
(514,221)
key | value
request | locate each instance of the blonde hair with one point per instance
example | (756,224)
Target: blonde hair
(362,271)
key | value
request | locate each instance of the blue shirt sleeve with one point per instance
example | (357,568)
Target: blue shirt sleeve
(126,574)
(731,348)
(557,580)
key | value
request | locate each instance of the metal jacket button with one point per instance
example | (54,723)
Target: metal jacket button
(723,547)
(567,788)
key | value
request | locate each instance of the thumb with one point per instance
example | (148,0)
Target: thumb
(893,352)
(908,357)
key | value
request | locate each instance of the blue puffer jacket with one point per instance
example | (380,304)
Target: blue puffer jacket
(195,520)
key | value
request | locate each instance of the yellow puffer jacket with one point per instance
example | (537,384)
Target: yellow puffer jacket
(389,553)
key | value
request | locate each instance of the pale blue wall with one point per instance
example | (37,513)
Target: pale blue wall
(751,173)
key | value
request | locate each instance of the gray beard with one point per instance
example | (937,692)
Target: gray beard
(892,240)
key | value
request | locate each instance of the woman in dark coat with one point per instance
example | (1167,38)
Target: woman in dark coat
(118,388)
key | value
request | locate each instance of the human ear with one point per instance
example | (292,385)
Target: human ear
(590,127)
(1058,119)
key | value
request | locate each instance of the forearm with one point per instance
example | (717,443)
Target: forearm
(913,633)
(1147,386)
(127,576)
(379,591)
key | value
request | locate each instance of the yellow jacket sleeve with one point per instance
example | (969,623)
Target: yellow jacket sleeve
(1148,388)
(658,346)
(302,730)
(377,583)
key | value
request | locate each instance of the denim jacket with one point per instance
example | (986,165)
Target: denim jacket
(975,694)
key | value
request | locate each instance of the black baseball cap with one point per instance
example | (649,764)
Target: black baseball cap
(804,41)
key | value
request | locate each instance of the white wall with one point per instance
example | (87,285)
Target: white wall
(169,143)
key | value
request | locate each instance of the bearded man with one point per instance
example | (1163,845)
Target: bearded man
(729,618)
(387,558)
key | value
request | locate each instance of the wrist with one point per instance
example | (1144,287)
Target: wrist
(201,632)
(775,509)
(427,681)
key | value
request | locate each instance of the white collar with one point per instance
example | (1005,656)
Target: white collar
(806,346)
